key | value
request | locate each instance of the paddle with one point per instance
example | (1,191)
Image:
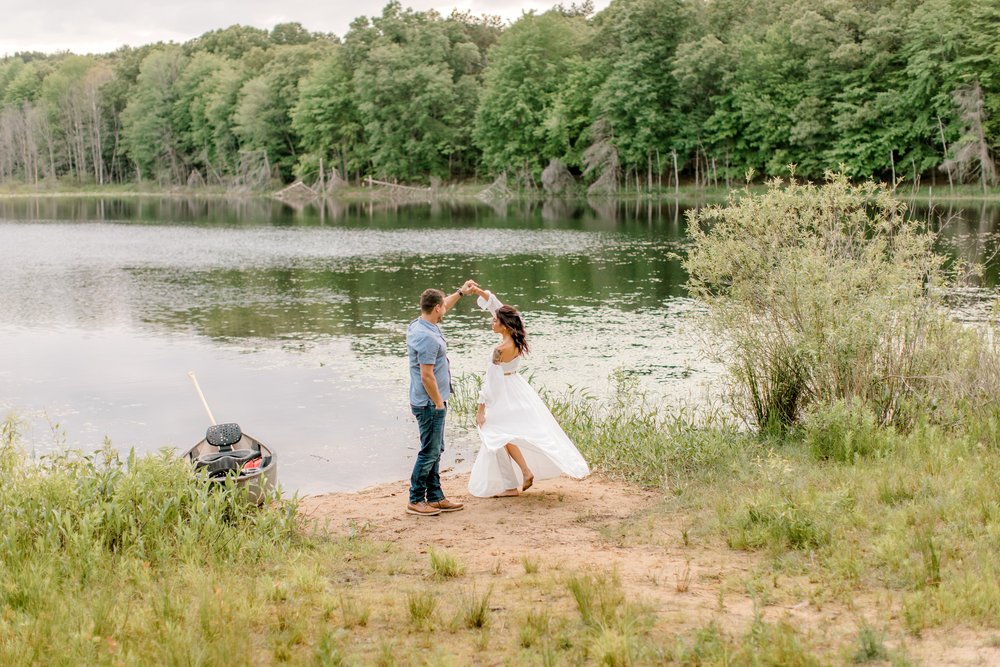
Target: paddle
(223,436)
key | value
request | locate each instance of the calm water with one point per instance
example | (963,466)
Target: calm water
(294,320)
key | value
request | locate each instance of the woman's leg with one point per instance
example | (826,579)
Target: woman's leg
(518,457)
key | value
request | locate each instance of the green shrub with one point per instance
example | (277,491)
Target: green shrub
(632,437)
(819,293)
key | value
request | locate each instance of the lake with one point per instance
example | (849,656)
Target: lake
(294,319)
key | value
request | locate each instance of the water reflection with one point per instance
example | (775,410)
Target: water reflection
(969,233)
(594,214)
(295,318)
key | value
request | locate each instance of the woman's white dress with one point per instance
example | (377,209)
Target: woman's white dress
(516,414)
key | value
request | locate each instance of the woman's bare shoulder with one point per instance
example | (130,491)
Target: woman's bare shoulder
(504,352)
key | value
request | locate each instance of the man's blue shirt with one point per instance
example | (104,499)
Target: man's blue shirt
(425,344)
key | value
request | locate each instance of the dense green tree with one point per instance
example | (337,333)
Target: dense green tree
(982,59)
(898,88)
(233,42)
(26,83)
(221,98)
(9,70)
(571,114)
(148,130)
(197,85)
(116,93)
(416,89)
(637,97)
(518,118)
(290,33)
(71,97)
(327,120)
(262,118)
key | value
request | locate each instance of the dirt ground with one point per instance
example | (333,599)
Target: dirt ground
(599,526)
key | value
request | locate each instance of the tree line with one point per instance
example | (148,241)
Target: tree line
(641,94)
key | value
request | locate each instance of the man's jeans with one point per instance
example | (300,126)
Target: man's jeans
(425,482)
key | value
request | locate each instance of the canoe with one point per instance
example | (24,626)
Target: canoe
(251,462)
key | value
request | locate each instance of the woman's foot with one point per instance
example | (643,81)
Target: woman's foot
(528,481)
(508,493)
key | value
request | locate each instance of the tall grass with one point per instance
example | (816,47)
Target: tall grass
(762,644)
(135,556)
(630,436)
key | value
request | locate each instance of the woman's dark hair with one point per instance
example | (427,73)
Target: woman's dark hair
(511,320)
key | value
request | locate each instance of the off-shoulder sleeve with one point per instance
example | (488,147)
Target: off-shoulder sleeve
(491,304)
(492,382)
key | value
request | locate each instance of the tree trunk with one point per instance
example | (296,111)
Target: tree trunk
(944,144)
(659,172)
(677,182)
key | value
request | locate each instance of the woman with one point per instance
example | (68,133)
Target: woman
(515,427)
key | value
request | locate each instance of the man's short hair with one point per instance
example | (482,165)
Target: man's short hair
(431,299)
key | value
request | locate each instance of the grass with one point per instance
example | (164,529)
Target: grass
(915,513)
(852,505)
(869,647)
(421,605)
(353,613)
(444,565)
(475,609)
(128,560)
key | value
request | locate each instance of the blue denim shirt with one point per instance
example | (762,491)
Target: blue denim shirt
(425,344)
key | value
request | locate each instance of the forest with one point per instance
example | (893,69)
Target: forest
(643,94)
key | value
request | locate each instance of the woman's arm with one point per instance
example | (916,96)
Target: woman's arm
(488,301)
(481,415)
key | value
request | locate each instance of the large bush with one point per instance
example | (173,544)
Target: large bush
(819,293)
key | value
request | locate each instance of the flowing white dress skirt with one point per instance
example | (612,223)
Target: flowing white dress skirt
(516,414)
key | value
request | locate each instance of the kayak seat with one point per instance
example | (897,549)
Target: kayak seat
(224,436)
(219,463)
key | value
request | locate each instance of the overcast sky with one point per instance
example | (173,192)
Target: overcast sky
(101,26)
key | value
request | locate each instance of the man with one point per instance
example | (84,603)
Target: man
(430,388)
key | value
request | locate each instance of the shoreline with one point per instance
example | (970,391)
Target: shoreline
(462,192)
